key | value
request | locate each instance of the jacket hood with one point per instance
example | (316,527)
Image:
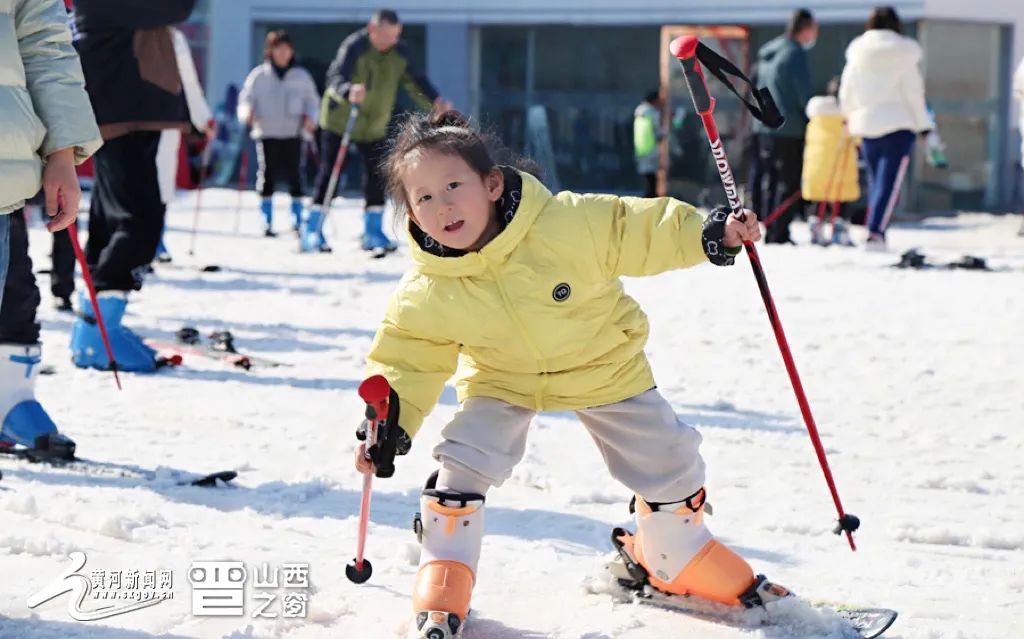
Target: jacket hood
(532,199)
(775,46)
(823,105)
(884,48)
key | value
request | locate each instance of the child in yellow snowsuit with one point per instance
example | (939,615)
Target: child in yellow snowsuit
(830,165)
(517,292)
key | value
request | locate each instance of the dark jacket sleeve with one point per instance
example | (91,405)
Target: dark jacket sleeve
(339,74)
(415,81)
(131,14)
(801,73)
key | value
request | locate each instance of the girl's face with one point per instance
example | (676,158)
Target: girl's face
(450,201)
(282,54)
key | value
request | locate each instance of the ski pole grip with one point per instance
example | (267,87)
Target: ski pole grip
(684,48)
(375,391)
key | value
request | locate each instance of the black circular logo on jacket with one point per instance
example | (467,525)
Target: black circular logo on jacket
(561,292)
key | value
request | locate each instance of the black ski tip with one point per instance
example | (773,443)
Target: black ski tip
(211,268)
(210,480)
(357,576)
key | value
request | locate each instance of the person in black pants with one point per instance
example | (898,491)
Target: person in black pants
(279,102)
(370,67)
(782,67)
(132,78)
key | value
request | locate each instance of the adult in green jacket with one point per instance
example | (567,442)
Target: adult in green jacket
(46,127)
(782,67)
(369,68)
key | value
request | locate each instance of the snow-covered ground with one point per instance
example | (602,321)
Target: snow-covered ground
(914,378)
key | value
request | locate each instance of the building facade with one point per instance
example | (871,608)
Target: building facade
(589,62)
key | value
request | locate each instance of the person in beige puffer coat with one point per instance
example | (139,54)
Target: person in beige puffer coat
(46,127)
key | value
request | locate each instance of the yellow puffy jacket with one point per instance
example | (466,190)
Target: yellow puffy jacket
(538,317)
(830,155)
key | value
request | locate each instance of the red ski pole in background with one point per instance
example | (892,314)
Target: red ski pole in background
(204,168)
(87,276)
(777,212)
(376,392)
(687,49)
(243,172)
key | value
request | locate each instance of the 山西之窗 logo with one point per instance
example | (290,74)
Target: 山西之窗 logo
(138,589)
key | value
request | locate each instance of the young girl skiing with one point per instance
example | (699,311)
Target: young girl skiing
(830,166)
(519,289)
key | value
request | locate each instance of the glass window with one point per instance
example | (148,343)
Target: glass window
(962,84)
(588,90)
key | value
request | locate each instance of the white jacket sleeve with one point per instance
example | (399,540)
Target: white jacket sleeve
(846,95)
(912,92)
(246,97)
(311,102)
(53,77)
(198,109)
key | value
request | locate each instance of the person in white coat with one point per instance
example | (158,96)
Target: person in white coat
(170,140)
(279,101)
(882,96)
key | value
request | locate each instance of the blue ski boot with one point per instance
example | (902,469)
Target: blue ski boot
(297,216)
(374,239)
(24,421)
(267,209)
(313,239)
(87,350)
(162,254)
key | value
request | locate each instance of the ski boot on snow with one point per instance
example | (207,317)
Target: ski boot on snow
(163,256)
(374,241)
(297,217)
(25,422)
(673,553)
(450,530)
(841,233)
(817,238)
(87,348)
(267,210)
(312,239)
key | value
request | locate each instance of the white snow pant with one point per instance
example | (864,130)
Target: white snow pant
(643,443)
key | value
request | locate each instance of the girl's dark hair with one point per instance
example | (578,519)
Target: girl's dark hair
(275,38)
(884,18)
(450,133)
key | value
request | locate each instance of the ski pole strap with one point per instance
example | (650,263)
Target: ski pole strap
(763,108)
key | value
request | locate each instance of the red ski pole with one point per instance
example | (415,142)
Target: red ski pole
(685,48)
(376,392)
(243,173)
(339,162)
(204,168)
(781,208)
(87,276)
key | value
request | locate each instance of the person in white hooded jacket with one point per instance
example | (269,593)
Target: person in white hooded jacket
(882,96)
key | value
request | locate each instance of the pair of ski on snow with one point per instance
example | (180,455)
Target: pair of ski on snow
(220,346)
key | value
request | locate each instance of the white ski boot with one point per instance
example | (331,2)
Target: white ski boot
(450,529)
